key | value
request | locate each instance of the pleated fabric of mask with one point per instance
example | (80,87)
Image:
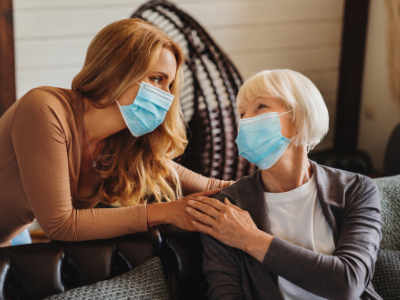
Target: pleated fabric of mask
(147,111)
(260,140)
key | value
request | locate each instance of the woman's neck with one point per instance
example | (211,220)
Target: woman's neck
(102,123)
(292,170)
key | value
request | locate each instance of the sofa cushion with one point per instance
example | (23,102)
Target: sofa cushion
(146,281)
(386,279)
(389,190)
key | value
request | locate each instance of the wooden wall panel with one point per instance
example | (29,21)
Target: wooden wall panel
(34,53)
(53,21)
(222,13)
(301,60)
(44,53)
(60,77)
(253,37)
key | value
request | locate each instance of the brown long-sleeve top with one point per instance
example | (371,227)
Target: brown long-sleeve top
(41,139)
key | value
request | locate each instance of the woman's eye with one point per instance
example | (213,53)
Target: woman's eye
(157,80)
(261,107)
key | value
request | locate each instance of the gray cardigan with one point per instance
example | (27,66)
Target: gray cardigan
(351,205)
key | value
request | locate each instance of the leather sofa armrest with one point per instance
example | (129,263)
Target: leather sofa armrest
(182,258)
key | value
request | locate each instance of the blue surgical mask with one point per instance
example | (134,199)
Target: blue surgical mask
(260,140)
(148,110)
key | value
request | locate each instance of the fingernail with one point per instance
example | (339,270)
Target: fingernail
(190,202)
(188,209)
(200,198)
(193,222)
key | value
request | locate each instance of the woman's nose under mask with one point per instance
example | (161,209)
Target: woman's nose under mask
(260,140)
(147,111)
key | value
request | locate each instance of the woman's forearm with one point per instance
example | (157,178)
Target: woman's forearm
(194,183)
(257,245)
(157,214)
(92,224)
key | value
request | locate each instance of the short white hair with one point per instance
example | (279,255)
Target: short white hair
(299,95)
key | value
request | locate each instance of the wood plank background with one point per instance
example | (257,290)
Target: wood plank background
(51,37)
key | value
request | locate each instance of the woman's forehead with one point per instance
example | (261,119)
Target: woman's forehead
(165,63)
(270,99)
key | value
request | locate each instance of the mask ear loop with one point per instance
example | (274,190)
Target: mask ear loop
(286,112)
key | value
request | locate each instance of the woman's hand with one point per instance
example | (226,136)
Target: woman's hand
(229,224)
(174,212)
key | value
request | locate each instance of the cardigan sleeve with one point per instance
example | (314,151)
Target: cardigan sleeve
(192,182)
(222,270)
(40,145)
(345,273)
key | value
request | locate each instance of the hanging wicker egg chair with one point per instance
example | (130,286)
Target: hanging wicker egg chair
(208,98)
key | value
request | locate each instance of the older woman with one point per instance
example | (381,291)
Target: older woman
(298,230)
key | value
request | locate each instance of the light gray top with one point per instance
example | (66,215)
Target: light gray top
(351,205)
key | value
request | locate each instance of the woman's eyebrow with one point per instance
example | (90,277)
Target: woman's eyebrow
(165,75)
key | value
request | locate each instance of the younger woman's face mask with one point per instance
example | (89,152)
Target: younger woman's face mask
(148,110)
(260,140)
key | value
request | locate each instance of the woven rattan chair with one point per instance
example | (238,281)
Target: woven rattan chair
(209,94)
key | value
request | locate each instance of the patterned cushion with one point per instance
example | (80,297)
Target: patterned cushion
(386,279)
(389,190)
(145,282)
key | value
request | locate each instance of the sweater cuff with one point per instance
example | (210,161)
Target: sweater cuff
(224,184)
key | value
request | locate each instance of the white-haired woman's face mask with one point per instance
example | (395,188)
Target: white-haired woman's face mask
(255,107)
(265,130)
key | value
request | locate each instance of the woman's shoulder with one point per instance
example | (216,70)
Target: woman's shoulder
(246,187)
(45,106)
(48,96)
(337,176)
(47,101)
(340,185)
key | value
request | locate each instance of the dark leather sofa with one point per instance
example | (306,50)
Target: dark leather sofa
(37,271)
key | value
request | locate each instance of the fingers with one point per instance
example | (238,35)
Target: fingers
(227,202)
(212,202)
(203,218)
(205,208)
(217,204)
(204,228)
(208,193)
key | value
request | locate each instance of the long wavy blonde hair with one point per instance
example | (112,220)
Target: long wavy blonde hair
(120,55)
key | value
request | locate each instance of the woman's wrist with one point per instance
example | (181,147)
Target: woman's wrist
(156,214)
(257,245)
